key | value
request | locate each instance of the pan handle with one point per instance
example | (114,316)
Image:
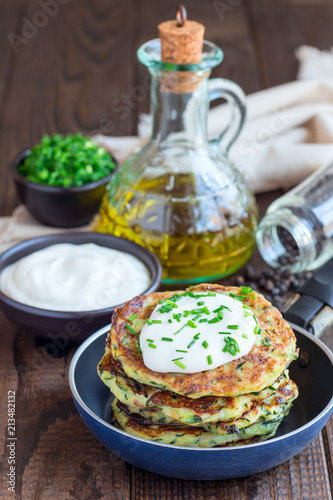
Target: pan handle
(312,307)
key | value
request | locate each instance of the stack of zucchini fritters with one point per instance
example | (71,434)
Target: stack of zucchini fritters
(240,402)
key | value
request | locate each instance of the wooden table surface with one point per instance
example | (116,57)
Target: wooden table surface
(70,65)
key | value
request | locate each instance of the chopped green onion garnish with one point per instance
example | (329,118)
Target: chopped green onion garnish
(214,320)
(236,297)
(171,303)
(148,322)
(149,340)
(167,339)
(204,320)
(162,301)
(257,330)
(205,344)
(177,359)
(186,313)
(153,346)
(191,324)
(196,337)
(196,317)
(175,298)
(246,289)
(220,315)
(130,329)
(180,329)
(245,336)
(201,303)
(255,319)
(190,344)
(156,321)
(246,307)
(181,365)
(133,316)
(247,314)
(177,316)
(180,350)
(224,333)
(233,327)
(209,359)
(169,320)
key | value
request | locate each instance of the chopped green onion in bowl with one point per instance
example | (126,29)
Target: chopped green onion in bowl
(71,160)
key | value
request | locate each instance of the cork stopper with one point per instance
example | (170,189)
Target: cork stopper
(181,43)
(181,40)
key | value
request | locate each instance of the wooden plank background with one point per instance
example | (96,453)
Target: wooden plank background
(78,72)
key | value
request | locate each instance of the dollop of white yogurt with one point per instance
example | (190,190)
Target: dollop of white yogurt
(68,277)
(182,340)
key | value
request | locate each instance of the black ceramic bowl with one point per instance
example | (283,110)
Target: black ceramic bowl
(59,206)
(74,326)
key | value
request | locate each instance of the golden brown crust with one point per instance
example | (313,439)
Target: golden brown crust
(263,364)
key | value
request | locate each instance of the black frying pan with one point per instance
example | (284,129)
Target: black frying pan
(312,372)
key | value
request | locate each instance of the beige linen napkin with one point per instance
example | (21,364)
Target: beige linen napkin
(288,135)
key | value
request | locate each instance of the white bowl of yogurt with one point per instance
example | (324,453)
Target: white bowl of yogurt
(70,283)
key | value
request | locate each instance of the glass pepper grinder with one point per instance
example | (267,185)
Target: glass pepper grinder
(180,196)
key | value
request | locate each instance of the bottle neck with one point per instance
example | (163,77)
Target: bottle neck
(179,107)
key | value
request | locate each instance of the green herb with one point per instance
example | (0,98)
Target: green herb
(201,310)
(201,303)
(130,329)
(181,365)
(231,346)
(190,344)
(162,301)
(214,320)
(257,330)
(196,336)
(186,313)
(245,336)
(196,317)
(240,365)
(233,327)
(246,289)
(205,344)
(175,298)
(133,316)
(191,324)
(203,320)
(177,316)
(149,340)
(72,160)
(209,359)
(247,307)
(156,321)
(180,329)
(224,333)
(169,320)
(267,341)
(255,319)
(221,309)
(237,297)
(167,339)
(220,315)
(148,322)
(177,359)
(153,346)
(180,350)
